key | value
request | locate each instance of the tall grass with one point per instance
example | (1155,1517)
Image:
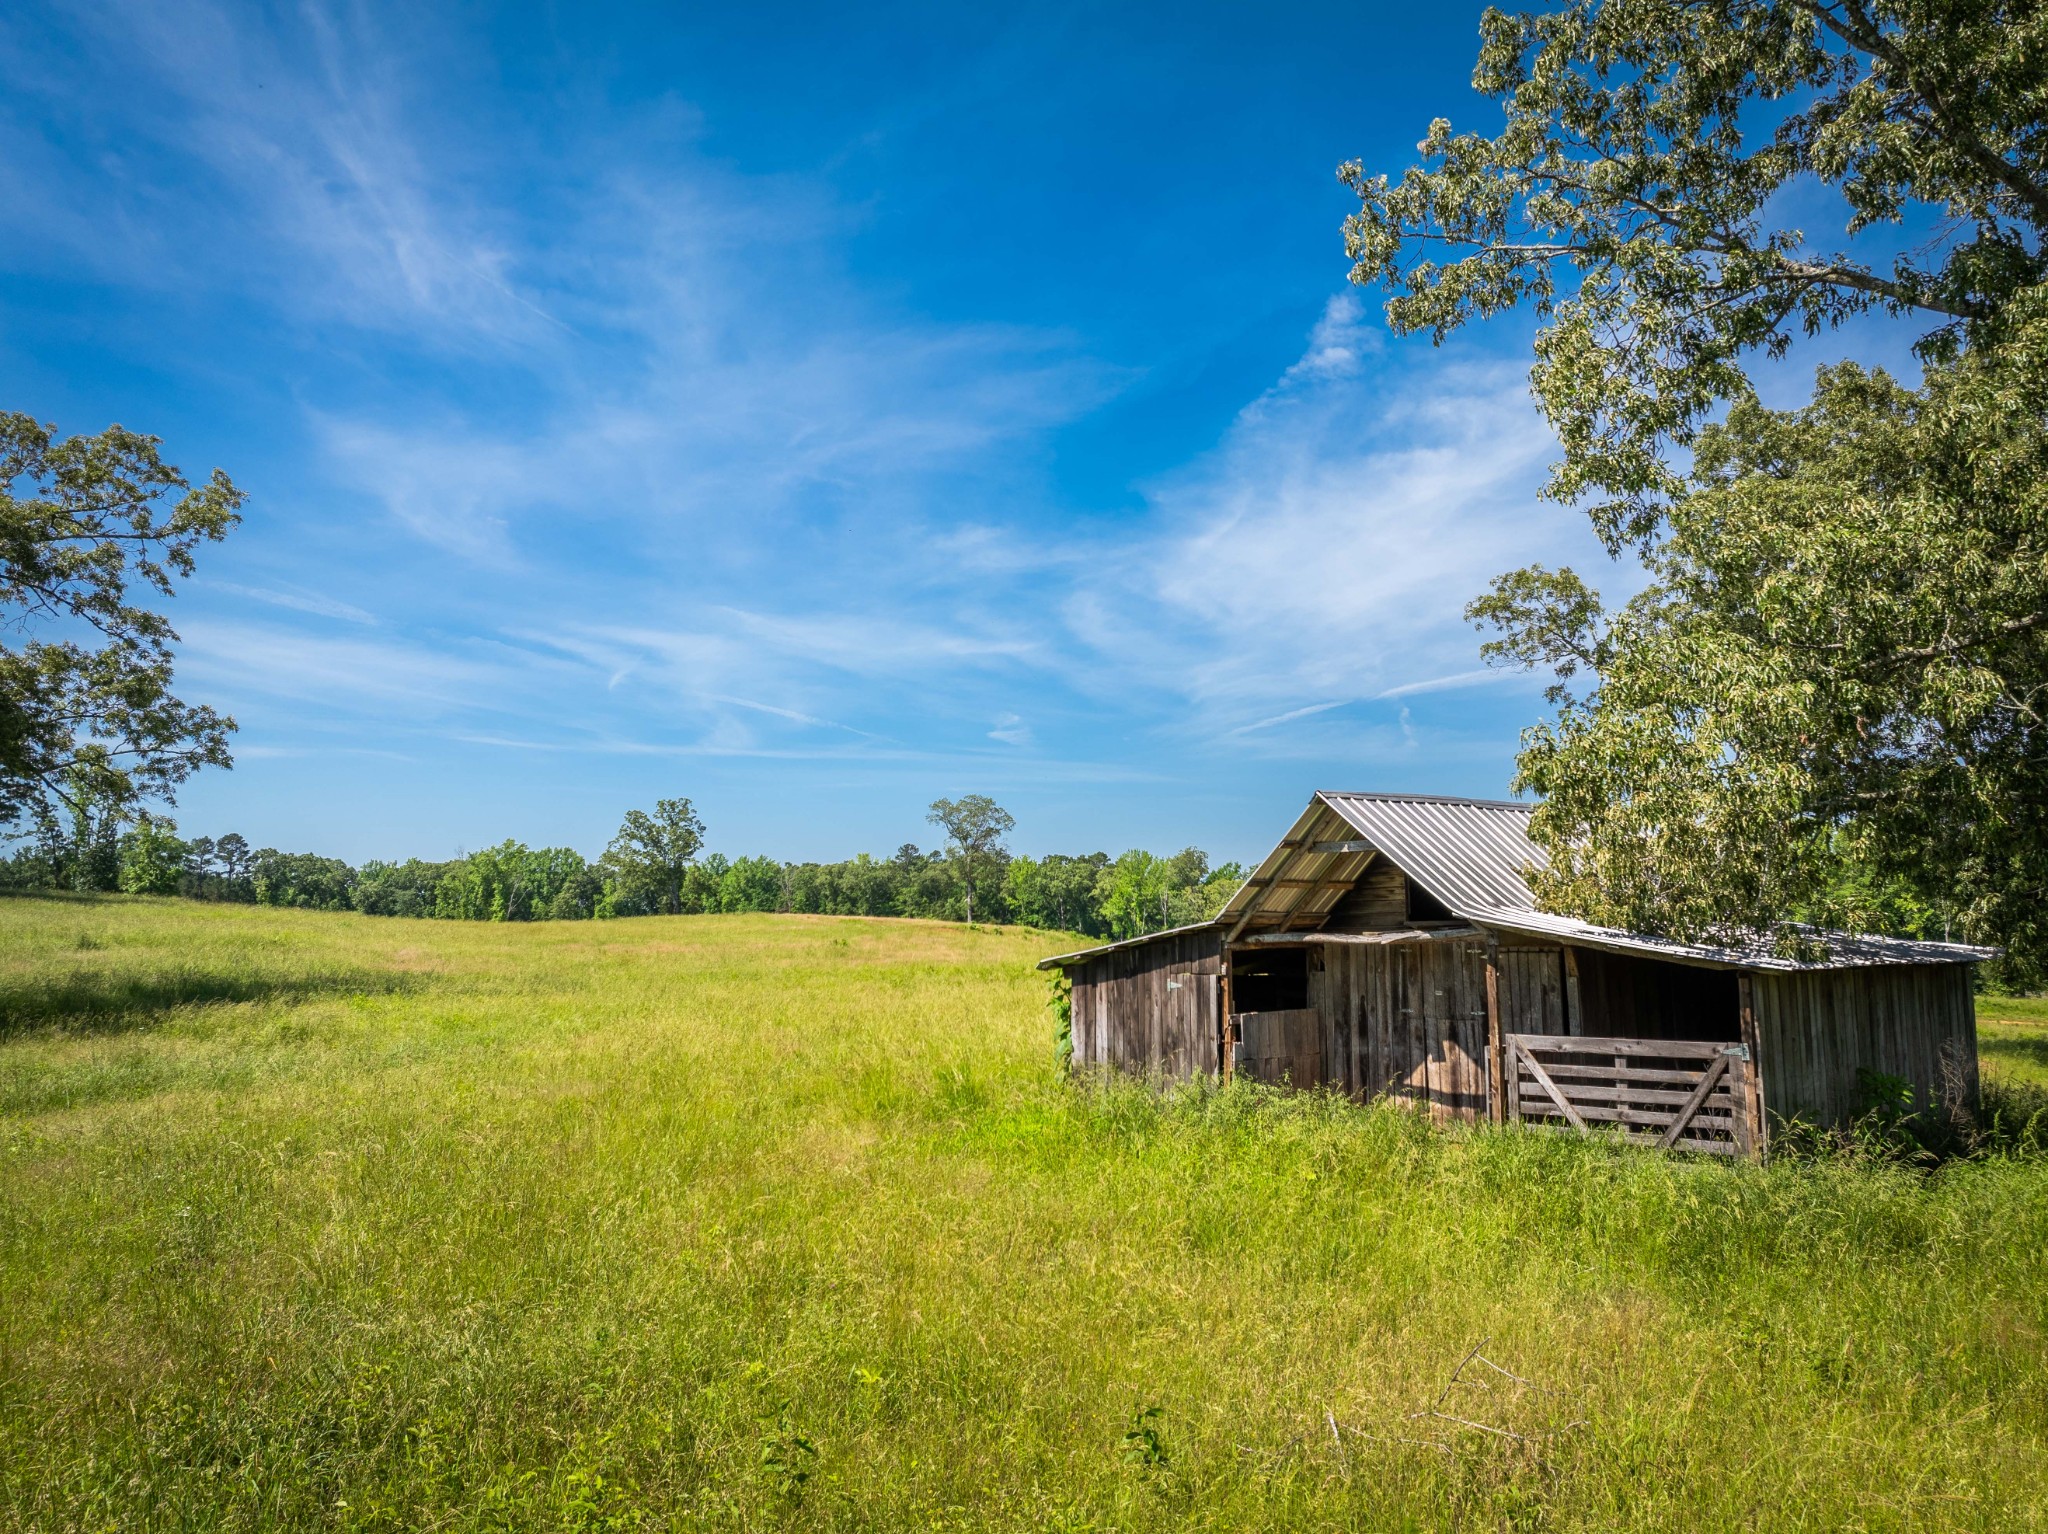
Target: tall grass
(761,1222)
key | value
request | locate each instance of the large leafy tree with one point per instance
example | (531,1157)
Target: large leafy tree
(87,715)
(650,858)
(1839,651)
(975,826)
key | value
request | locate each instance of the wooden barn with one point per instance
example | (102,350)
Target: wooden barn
(1390,945)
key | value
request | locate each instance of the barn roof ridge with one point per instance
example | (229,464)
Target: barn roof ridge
(1368,793)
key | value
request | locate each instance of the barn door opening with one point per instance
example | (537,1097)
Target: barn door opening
(1279,1035)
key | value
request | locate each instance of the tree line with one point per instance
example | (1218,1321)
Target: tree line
(654,866)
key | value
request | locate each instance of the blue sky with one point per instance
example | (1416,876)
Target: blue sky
(811,411)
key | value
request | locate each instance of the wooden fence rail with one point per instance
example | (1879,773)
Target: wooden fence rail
(1679,1094)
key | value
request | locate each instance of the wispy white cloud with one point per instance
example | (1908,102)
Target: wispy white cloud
(346,673)
(298,601)
(709,402)
(1289,717)
(317,194)
(1483,677)
(791,714)
(264,752)
(674,347)
(1337,347)
(1329,544)
(683,485)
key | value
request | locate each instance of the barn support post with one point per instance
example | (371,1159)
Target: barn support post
(1752,1077)
(1496,1079)
(1226,1062)
(1574,1018)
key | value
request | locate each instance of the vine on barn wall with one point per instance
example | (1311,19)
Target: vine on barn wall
(1062,1003)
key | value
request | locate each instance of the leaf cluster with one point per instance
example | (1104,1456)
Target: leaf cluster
(1633,198)
(86,708)
(1841,658)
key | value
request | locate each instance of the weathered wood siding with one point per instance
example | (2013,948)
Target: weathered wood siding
(1532,990)
(1376,902)
(1283,1048)
(1153,1009)
(1815,1029)
(1407,1019)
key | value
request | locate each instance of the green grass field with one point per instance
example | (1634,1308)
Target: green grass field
(2012,1038)
(779,1222)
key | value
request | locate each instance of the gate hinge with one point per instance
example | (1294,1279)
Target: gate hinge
(1739,1051)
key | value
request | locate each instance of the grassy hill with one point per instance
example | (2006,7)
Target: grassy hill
(763,1222)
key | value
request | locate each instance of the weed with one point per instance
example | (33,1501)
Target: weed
(787,1456)
(1143,1447)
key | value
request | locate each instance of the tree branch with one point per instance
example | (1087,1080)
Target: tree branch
(1861,32)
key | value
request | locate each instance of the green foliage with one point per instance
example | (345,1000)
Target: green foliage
(1143,1446)
(513,882)
(750,884)
(81,520)
(315,1221)
(975,826)
(1831,687)
(1631,196)
(1061,986)
(302,881)
(788,1458)
(411,888)
(1140,893)
(1057,892)
(219,870)
(1826,700)
(79,849)
(152,857)
(649,860)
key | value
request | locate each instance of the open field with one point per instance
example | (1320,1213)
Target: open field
(764,1222)
(2012,1038)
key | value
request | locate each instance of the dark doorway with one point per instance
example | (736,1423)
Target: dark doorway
(1643,998)
(1269,980)
(1423,906)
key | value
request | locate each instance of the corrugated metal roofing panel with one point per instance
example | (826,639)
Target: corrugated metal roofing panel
(1846,950)
(1083,955)
(1470,853)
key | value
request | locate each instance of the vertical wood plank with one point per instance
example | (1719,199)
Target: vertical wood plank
(1496,1100)
(1752,1098)
(1415,979)
(1226,1064)
(1574,1009)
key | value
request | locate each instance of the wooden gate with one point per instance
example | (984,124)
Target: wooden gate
(1281,1047)
(1672,1093)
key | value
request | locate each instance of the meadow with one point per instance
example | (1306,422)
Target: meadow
(761,1222)
(2012,1038)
